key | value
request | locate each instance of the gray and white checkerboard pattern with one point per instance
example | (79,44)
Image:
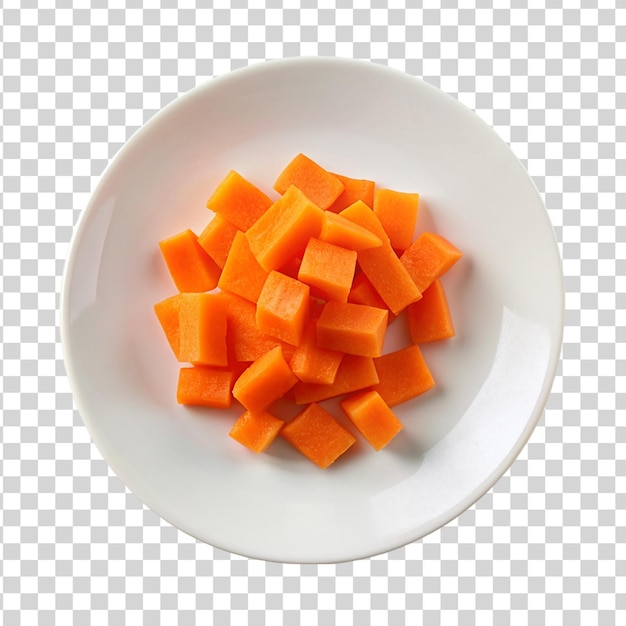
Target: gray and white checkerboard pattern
(547,545)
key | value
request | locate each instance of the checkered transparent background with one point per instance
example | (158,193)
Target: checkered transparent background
(547,545)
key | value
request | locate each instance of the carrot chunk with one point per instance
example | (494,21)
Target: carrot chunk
(429,319)
(354,189)
(283,308)
(266,380)
(167,314)
(354,373)
(403,375)
(239,201)
(205,386)
(217,238)
(328,270)
(283,231)
(341,231)
(256,430)
(242,275)
(352,328)
(372,417)
(428,258)
(359,213)
(314,181)
(312,363)
(316,434)
(190,267)
(202,318)
(397,212)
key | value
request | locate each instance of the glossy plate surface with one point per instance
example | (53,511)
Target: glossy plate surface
(494,377)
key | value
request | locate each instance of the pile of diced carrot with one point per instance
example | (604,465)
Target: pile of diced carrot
(292,299)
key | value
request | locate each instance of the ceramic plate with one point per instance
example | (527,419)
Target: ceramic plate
(493,378)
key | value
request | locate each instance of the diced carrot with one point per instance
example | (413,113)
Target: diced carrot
(363,292)
(256,430)
(343,232)
(245,340)
(217,237)
(202,318)
(397,212)
(314,181)
(291,268)
(327,269)
(283,231)
(283,308)
(239,201)
(354,373)
(352,328)
(242,275)
(205,386)
(266,380)
(430,319)
(167,314)
(372,417)
(318,435)
(428,258)
(313,364)
(191,268)
(359,213)
(354,190)
(403,375)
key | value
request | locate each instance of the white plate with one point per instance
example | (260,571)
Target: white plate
(494,377)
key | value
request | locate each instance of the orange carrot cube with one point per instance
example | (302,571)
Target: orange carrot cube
(354,190)
(202,319)
(359,213)
(352,328)
(328,269)
(343,232)
(318,435)
(429,319)
(266,380)
(283,231)
(239,201)
(217,237)
(397,212)
(242,275)
(191,268)
(428,258)
(403,375)
(167,314)
(283,308)
(320,186)
(256,430)
(205,386)
(372,417)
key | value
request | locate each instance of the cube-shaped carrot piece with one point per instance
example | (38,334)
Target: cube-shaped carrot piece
(217,237)
(328,269)
(205,386)
(343,232)
(318,435)
(354,373)
(266,380)
(429,318)
(352,328)
(372,417)
(313,364)
(191,268)
(397,212)
(320,186)
(202,319)
(363,292)
(403,375)
(283,231)
(283,307)
(246,342)
(239,201)
(256,430)
(428,258)
(167,314)
(353,190)
(242,275)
